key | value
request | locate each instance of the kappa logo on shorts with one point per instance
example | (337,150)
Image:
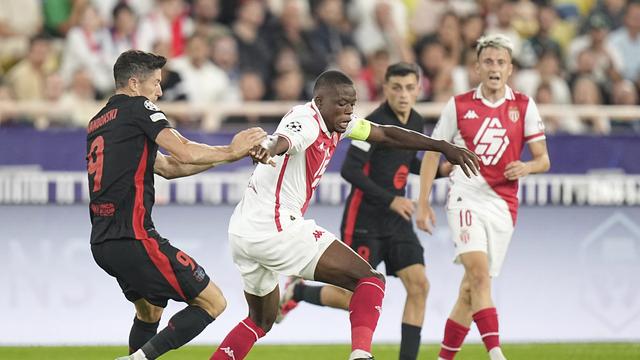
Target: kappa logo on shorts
(151,106)
(318,234)
(465,236)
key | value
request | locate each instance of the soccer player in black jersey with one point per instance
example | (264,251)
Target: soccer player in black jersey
(377,216)
(122,157)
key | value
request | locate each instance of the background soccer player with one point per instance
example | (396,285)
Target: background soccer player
(377,217)
(495,122)
(122,144)
(270,236)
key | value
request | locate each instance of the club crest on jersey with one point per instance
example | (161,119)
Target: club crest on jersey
(151,106)
(294,126)
(514,114)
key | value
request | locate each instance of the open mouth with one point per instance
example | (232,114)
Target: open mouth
(494,77)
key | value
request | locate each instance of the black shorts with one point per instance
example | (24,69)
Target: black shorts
(398,250)
(151,269)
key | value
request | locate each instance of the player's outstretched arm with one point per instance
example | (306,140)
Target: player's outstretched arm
(397,137)
(187,157)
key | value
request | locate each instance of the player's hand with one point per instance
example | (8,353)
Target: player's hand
(245,140)
(425,218)
(261,155)
(516,169)
(458,155)
(403,206)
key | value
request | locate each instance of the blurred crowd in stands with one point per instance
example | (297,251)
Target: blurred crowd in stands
(62,51)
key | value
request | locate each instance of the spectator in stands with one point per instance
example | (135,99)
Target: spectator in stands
(331,33)
(140,8)
(285,60)
(167,22)
(625,93)
(350,63)
(19,21)
(253,88)
(500,23)
(253,49)
(123,32)
(607,62)
(87,46)
(173,88)
(437,66)
(612,10)
(289,86)
(26,79)
(626,40)
(448,35)
(80,99)
(5,95)
(547,70)
(289,31)
(205,17)
(381,24)
(542,41)
(465,77)
(204,82)
(373,74)
(62,15)
(586,92)
(471,30)
(224,54)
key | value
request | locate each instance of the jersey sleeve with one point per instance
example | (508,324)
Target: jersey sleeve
(299,130)
(149,118)
(533,125)
(447,125)
(358,129)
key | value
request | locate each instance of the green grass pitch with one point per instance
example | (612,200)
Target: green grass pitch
(545,351)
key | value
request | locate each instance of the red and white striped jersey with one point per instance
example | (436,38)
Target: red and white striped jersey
(276,196)
(496,132)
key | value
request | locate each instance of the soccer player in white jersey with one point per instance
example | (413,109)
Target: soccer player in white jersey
(269,235)
(494,122)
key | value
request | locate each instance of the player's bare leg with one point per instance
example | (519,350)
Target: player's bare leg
(341,266)
(476,266)
(415,282)
(183,326)
(458,323)
(145,324)
(262,314)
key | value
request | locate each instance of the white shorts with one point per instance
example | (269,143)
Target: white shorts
(484,226)
(295,251)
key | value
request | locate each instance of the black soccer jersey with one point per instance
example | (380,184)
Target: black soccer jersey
(377,174)
(121,152)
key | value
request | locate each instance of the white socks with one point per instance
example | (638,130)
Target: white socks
(138,355)
(496,354)
(359,354)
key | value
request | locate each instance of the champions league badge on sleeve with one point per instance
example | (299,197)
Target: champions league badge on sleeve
(294,126)
(151,106)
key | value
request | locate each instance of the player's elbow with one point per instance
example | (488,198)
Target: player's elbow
(184,156)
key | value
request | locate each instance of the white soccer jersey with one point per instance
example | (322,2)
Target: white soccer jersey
(496,132)
(276,196)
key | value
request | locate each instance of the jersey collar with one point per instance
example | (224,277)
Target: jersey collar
(318,117)
(508,95)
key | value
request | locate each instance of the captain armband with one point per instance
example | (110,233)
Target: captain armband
(360,129)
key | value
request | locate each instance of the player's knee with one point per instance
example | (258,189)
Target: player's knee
(265,323)
(149,314)
(217,307)
(418,287)
(214,303)
(478,280)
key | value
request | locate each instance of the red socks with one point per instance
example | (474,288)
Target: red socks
(487,323)
(239,341)
(364,311)
(454,335)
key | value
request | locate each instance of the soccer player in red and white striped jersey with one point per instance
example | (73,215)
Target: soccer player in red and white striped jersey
(494,122)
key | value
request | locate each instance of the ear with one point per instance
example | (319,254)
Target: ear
(318,101)
(133,84)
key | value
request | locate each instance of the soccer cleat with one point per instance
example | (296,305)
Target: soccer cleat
(360,355)
(286,302)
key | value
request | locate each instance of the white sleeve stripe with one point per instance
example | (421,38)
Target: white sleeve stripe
(362,145)
(157,116)
(536,138)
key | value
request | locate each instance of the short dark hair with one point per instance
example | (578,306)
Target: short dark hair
(402,69)
(331,78)
(120,7)
(135,63)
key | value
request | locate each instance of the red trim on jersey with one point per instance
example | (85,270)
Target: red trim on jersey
(354,208)
(278,188)
(159,259)
(530,137)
